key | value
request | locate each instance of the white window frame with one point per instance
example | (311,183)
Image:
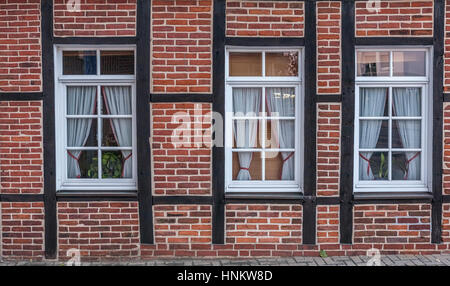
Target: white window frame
(425,83)
(61,82)
(264,186)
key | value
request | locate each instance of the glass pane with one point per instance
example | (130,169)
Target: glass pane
(117,62)
(373,134)
(280,133)
(246,101)
(280,101)
(406,133)
(81,100)
(117,132)
(373,63)
(373,166)
(245,64)
(409,63)
(82,164)
(247,166)
(280,166)
(406,101)
(112,164)
(373,101)
(246,133)
(81,132)
(406,166)
(282,64)
(79,62)
(116,100)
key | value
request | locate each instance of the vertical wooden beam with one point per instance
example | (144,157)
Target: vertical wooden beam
(309,207)
(48,106)
(143,23)
(218,187)
(438,98)
(347,130)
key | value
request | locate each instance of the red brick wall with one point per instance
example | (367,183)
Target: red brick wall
(328,148)
(446,151)
(446,223)
(20,46)
(21,158)
(394,18)
(22,230)
(182,230)
(263,230)
(178,168)
(404,227)
(328,47)
(99,230)
(327,225)
(181,43)
(95,18)
(447,47)
(264,18)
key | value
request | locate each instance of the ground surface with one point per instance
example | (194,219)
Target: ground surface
(385,260)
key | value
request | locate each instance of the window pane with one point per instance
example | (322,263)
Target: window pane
(82,164)
(246,133)
(246,101)
(247,166)
(280,166)
(81,100)
(117,62)
(406,133)
(409,63)
(282,64)
(373,134)
(79,62)
(116,100)
(373,101)
(280,133)
(81,132)
(112,164)
(406,101)
(280,101)
(373,63)
(406,165)
(245,64)
(373,166)
(117,132)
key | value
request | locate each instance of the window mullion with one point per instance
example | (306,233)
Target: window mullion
(99,132)
(390,132)
(263,133)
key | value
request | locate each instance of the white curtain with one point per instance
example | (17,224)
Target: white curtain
(80,101)
(118,102)
(246,102)
(372,103)
(281,102)
(407,103)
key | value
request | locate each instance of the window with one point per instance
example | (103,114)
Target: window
(392,118)
(264,125)
(95,118)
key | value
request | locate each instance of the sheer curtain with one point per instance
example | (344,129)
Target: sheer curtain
(80,101)
(407,103)
(280,102)
(118,102)
(246,102)
(372,103)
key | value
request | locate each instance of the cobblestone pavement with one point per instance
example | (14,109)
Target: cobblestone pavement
(386,260)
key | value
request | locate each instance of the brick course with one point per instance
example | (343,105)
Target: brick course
(264,18)
(22,230)
(394,18)
(327,225)
(328,47)
(20,46)
(95,18)
(181,44)
(99,230)
(21,151)
(328,148)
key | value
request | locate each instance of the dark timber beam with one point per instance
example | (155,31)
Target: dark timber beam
(348,101)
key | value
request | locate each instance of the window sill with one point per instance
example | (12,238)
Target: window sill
(265,195)
(392,195)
